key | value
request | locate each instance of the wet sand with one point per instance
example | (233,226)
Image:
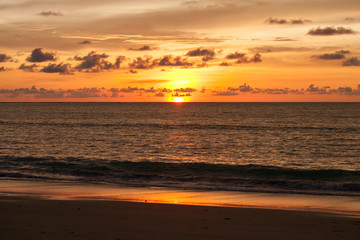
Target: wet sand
(33,218)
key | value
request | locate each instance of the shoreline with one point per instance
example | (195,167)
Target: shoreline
(35,218)
(345,205)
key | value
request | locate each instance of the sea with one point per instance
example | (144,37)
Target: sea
(279,148)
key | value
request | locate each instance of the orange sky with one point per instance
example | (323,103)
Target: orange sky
(167,50)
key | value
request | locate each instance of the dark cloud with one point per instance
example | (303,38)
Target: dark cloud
(284,39)
(328,31)
(181,94)
(168,60)
(223,94)
(85,42)
(225,64)
(285,21)
(354,61)
(142,63)
(2,69)
(206,54)
(349,19)
(185,90)
(50,13)
(60,68)
(160,94)
(243,58)
(132,71)
(312,89)
(38,56)
(332,56)
(51,93)
(94,62)
(28,68)
(5,58)
(268,49)
(143,48)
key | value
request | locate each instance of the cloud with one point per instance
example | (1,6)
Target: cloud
(60,68)
(328,31)
(285,21)
(311,89)
(168,60)
(35,92)
(159,94)
(2,69)
(181,94)
(268,49)
(94,62)
(284,39)
(332,56)
(143,48)
(225,64)
(354,61)
(185,90)
(50,13)
(349,19)
(85,42)
(28,68)
(38,56)
(206,54)
(5,58)
(243,58)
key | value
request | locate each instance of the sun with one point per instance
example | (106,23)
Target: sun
(178,99)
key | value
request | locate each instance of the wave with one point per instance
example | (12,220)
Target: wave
(183,126)
(203,176)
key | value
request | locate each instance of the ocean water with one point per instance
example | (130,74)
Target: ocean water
(308,148)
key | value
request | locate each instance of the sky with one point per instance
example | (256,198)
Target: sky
(178,50)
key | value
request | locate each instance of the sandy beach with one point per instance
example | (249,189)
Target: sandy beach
(34,218)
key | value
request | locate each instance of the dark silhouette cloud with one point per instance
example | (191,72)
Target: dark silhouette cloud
(5,58)
(206,54)
(28,68)
(142,63)
(168,60)
(223,94)
(60,68)
(243,58)
(160,94)
(225,64)
(143,48)
(132,71)
(85,42)
(2,69)
(312,89)
(328,31)
(38,55)
(50,13)
(285,21)
(51,93)
(181,94)
(185,90)
(354,61)
(332,56)
(94,62)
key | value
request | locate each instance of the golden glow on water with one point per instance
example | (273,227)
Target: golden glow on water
(71,191)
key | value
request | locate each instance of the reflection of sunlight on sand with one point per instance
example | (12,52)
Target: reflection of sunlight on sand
(67,191)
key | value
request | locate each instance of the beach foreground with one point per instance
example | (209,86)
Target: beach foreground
(34,218)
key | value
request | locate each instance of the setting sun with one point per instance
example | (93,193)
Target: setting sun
(178,100)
